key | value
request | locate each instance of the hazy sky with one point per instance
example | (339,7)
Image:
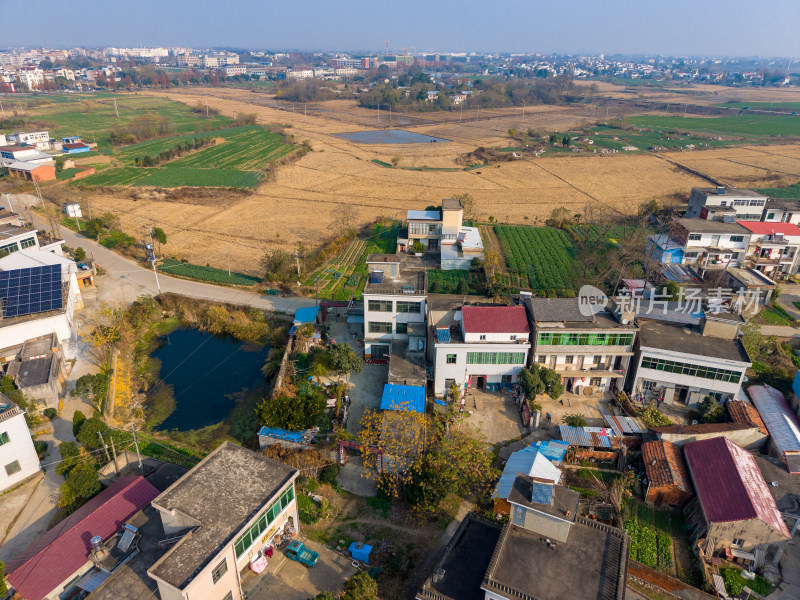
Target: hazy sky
(671,27)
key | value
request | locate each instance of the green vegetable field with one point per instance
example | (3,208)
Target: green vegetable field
(237,161)
(175,267)
(544,254)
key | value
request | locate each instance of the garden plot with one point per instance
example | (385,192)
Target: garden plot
(543,255)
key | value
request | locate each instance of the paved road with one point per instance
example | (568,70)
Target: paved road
(126,280)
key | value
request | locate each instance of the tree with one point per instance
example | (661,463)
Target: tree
(77,420)
(88,433)
(159,236)
(711,411)
(80,484)
(9,388)
(3,585)
(575,420)
(79,254)
(70,456)
(566,140)
(344,359)
(92,387)
(360,587)
(293,413)
(323,596)
(531,382)
(463,287)
(279,266)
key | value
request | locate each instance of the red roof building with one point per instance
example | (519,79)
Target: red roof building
(736,509)
(59,554)
(495,319)
(768,228)
(744,412)
(667,478)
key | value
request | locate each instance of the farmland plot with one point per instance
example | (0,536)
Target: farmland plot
(544,254)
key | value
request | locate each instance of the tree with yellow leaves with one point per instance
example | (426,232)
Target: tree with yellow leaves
(103,331)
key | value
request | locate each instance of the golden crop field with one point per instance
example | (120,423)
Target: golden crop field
(302,202)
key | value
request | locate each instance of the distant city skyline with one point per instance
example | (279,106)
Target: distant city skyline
(736,28)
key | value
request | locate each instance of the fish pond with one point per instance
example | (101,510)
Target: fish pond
(389,136)
(208,375)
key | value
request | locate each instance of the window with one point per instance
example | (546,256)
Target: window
(219,570)
(513,338)
(451,359)
(483,337)
(228,596)
(13,467)
(690,255)
(401,328)
(3,438)
(770,216)
(595,381)
(495,358)
(378,327)
(737,542)
(380,305)
(569,359)
(505,379)
(737,238)
(695,237)
(409,307)
(670,366)
(8,249)
(541,359)
(28,243)
(432,228)
(253,534)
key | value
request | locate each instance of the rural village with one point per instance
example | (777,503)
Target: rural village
(314,326)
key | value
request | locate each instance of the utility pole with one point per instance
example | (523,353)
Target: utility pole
(114,452)
(297,259)
(228,255)
(8,199)
(138,455)
(102,441)
(3,110)
(151,255)
(116,110)
(206,108)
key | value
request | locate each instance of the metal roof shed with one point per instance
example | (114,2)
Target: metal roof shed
(528,461)
(780,422)
(403,397)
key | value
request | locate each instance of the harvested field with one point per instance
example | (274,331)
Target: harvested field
(301,202)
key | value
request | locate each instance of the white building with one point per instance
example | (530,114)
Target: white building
(478,346)
(782,211)
(591,352)
(300,73)
(233,70)
(394,300)
(683,365)
(32,77)
(710,243)
(12,154)
(17,454)
(774,247)
(725,204)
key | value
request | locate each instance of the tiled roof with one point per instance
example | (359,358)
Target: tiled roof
(744,412)
(62,550)
(665,465)
(729,485)
(557,309)
(495,319)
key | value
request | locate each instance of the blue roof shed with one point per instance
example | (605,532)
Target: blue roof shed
(403,397)
(306,315)
(360,551)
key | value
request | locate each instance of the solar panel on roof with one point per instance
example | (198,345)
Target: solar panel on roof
(376,277)
(30,291)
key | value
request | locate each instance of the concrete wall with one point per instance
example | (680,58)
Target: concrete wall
(203,587)
(69,581)
(541,523)
(19,448)
(173,523)
(666,494)
(754,532)
(494,337)
(21,332)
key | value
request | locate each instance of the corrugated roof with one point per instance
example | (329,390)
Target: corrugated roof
(591,437)
(665,465)
(624,425)
(403,397)
(495,319)
(443,335)
(729,485)
(62,550)
(528,461)
(423,215)
(744,412)
(777,416)
(557,309)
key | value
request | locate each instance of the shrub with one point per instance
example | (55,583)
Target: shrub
(328,475)
(41,448)
(360,587)
(734,583)
(79,254)
(69,457)
(652,417)
(50,413)
(88,433)
(117,239)
(575,420)
(307,509)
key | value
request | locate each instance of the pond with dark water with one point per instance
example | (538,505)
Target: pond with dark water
(389,136)
(207,372)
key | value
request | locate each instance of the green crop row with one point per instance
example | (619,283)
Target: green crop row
(545,254)
(648,547)
(210,274)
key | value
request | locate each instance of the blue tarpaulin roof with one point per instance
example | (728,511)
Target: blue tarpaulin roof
(289,436)
(403,397)
(528,461)
(591,437)
(552,449)
(306,315)
(443,335)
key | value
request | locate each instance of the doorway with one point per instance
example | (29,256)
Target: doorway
(481,383)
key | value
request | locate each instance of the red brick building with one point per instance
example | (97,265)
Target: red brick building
(31,171)
(667,477)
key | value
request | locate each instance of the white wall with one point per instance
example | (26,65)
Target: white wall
(21,332)
(19,448)
(724,241)
(494,337)
(392,317)
(460,371)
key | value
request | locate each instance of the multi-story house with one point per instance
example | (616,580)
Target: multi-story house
(682,364)
(394,303)
(229,508)
(711,244)
(17,455)
(589,351)
(484,347)
(725,204)
(779,210)
(443,231)
(773,248)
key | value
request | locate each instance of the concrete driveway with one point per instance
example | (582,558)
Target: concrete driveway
(292,581)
